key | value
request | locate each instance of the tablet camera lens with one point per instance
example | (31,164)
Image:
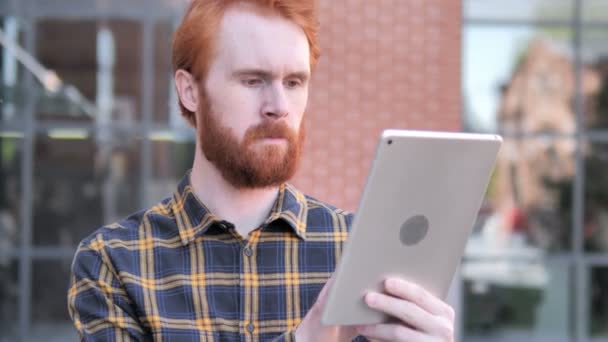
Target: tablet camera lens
(390,141)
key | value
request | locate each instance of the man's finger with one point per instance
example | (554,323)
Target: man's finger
(411,314)
(418,295)
(391,332)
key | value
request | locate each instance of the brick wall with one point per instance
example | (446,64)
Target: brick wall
(384,64)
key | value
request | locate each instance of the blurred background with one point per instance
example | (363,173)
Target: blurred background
(90,132)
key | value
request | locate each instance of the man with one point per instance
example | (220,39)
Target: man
(236,253)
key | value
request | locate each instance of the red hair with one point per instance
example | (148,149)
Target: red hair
(193,44)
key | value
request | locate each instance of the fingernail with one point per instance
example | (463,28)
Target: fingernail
(361,329)
(371,298)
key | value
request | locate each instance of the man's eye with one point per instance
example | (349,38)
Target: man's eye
(293,83)
(253,82)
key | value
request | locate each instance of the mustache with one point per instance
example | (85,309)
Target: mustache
(269,130)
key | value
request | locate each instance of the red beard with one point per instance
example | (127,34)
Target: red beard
(244,165)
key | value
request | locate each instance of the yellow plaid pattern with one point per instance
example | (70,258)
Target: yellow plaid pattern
(176,272)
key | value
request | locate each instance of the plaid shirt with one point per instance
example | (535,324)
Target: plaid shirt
(177,272)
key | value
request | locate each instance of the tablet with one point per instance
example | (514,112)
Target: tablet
(418,208)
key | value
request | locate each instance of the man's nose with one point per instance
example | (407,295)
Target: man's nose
(275,105)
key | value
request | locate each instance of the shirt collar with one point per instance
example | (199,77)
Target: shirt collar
(291,206)
(194,218)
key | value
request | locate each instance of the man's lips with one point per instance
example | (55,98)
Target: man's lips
(273,140)
(273,137)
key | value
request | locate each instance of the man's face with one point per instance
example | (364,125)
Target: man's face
(254,99)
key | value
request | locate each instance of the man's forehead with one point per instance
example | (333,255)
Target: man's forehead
(249,38)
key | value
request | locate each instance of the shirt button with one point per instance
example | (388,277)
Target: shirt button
(248,252)
(250,327)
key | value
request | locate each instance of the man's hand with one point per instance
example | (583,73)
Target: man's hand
(311,329)
(417,316)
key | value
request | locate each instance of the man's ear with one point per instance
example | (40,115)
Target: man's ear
(187,90)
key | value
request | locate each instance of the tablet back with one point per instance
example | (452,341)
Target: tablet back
(417,210)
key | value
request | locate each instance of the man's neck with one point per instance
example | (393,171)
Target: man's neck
(247,209)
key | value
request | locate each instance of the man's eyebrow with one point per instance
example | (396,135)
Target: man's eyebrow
(252,72)
(302,75)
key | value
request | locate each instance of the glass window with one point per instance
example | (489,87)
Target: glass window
(50,319)
(100,75)
(77,69)
(596,197)
(5,6)
(57,8)
(595,10)
(127,36)
(518,296)
(599,302)
(163,72)
(595,78)
(80,184)
(527,199)
(13,95)
(9,292)
(518,80)
(11,154)
(528,10)
(172,157)
(166,109)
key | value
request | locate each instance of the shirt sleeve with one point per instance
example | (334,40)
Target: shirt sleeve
(97,302)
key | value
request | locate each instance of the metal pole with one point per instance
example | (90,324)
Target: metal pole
(147,95)
(25,261)
(580,318)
